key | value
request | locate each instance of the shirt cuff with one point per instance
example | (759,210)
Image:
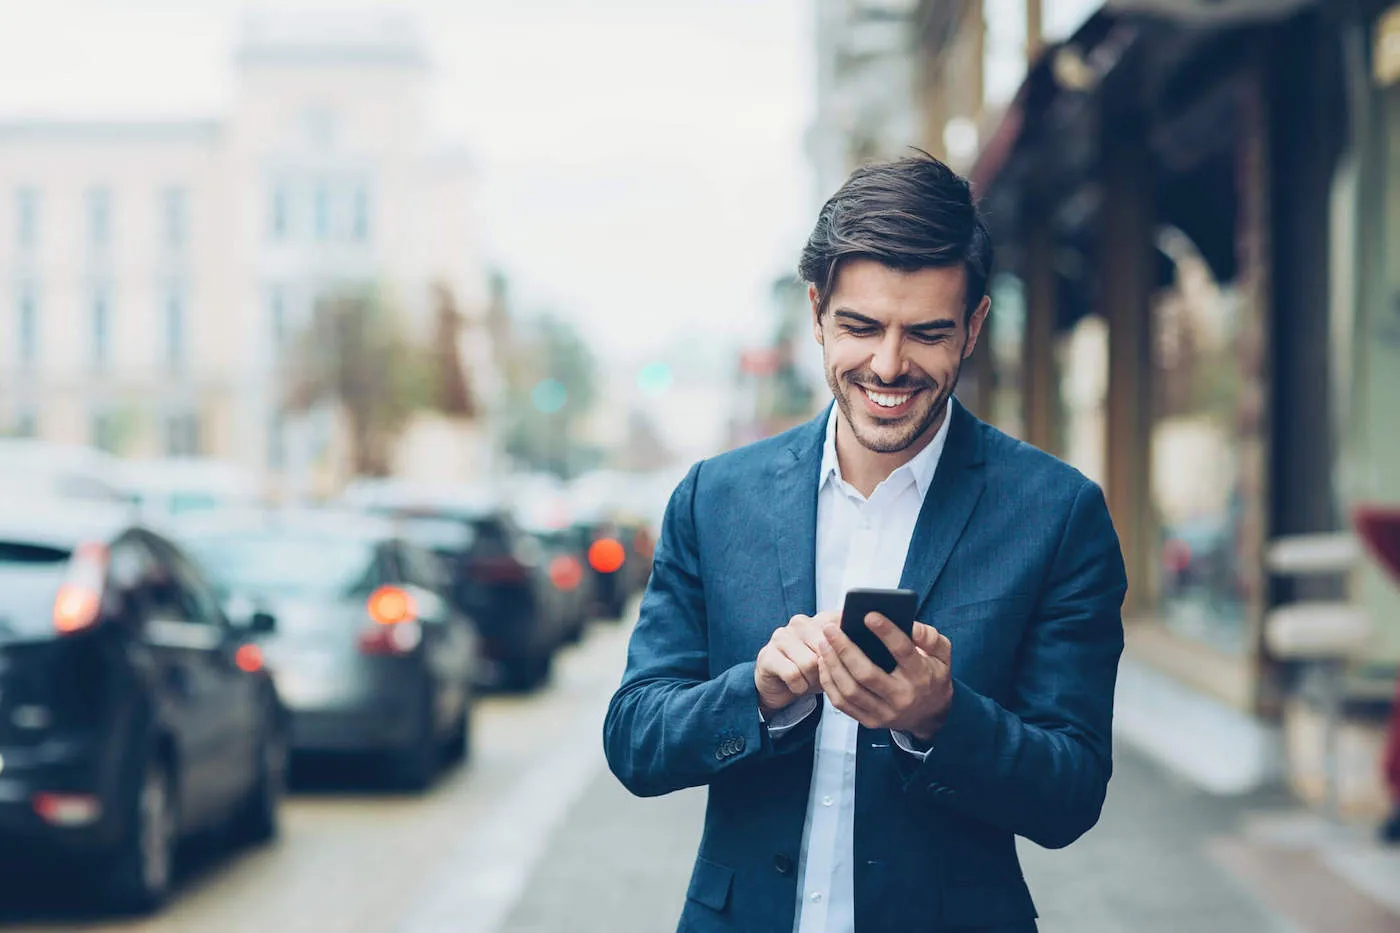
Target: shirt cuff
(910,744)
(784,719)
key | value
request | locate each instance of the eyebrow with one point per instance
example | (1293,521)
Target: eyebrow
(939,324)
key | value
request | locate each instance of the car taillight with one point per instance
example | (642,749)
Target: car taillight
(505,569)
(78,604)
(394,627)
(606,555)
(565,572)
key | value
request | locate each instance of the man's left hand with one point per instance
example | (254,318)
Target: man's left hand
(913,698)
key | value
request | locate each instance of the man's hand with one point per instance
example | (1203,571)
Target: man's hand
(786,669)
(913,698)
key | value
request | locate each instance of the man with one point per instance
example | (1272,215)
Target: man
(843,799)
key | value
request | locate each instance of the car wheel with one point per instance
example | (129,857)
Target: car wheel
(529,673)
(256,822)
(459,743)
(145,861)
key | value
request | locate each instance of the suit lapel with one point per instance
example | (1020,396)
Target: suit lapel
(794,510)
(956,488)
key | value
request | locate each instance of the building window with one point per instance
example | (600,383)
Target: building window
(174,203)
(323,211)
(26,423)
(27,218)
(280,225)
(175,348)
(182,435)
(101,327)
(99,204)
(277,316)
(276,441)
(360,216)
(28,324)
(105,431)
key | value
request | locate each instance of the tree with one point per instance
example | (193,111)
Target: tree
(356,356)
(551,387)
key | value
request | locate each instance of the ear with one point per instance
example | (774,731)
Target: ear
(816,301)
(974,324)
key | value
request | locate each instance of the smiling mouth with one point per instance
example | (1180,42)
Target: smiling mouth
(886,402)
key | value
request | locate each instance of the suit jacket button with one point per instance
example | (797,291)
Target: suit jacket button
(739,742)
(783,864)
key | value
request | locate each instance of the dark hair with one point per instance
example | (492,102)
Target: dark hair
(914,213)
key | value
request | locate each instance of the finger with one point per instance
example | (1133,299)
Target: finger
(932,643)
(789,673)
(893,638)
(796,651)
(809,628)
(864,670)
(843,688)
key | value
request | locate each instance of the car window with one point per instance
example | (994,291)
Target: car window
(30,575)
(421,568)
(176,591)
(287,562)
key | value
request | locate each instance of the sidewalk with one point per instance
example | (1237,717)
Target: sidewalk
(1165,858)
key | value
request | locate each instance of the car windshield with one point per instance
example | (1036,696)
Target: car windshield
(284,562)
(441,535)
(30,575)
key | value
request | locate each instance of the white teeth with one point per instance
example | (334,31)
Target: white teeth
(887,401)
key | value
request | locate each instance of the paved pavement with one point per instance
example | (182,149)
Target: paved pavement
(620,865)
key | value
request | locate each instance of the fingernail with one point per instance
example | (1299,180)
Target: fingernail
(874,621)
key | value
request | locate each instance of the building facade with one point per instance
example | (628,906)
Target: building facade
(159,274)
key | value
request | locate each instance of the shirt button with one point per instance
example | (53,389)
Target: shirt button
(816,897)
(827,801)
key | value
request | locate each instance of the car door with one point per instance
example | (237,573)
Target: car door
(448,640)
(208,693)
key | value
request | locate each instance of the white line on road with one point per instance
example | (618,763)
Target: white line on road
(474,890)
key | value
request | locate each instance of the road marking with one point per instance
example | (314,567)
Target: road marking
(475,888)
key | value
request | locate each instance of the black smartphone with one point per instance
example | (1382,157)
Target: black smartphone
(898,606)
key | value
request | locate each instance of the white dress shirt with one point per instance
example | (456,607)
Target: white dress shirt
(860,543)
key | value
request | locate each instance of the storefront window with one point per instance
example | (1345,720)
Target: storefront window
(1205,460)
(1082,362)
(1007,326)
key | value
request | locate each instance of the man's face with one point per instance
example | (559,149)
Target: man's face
(893,344)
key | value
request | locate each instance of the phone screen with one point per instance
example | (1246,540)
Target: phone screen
(898,606)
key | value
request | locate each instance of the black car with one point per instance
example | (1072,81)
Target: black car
(132,714)
(619,562)
(369,655)
(499,576)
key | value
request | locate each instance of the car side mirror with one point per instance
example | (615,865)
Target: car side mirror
(262,622)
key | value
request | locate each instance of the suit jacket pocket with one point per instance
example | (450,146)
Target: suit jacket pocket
(998,607)
(710,883)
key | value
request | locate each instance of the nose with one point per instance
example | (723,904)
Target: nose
(888,361)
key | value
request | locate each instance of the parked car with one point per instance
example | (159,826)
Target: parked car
(132,713)
(369,654)
(499,573)
(44,470)
(172,488)
(618,556)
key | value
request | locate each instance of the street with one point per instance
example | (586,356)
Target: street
(535,835)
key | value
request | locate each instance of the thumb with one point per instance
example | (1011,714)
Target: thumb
(927,640)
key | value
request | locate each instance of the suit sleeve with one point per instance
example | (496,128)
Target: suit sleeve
(671,724)
(1040,767)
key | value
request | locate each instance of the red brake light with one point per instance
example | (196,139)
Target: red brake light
(390,605)
(565,573)
(606,555)
(396,629)
(78,604)
(249,658)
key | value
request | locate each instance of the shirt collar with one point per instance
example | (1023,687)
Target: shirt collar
(922,467)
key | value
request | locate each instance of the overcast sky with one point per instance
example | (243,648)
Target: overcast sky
(640,161)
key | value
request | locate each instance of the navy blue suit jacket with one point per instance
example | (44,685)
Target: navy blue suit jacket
(1015,560)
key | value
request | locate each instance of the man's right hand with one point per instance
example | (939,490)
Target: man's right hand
(786,669)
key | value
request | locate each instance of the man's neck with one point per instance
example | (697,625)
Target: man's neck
(865,469)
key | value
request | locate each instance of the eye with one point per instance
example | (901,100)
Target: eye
(930,339)
(859,330)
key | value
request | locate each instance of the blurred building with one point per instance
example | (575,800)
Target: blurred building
(158,274)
